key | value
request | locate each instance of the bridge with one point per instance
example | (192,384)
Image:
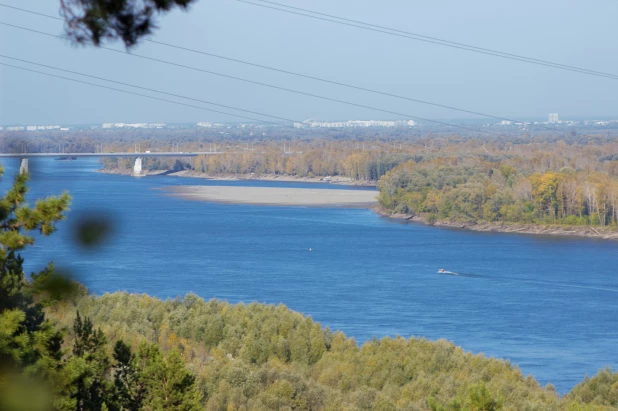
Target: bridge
(122,154)
(137,168)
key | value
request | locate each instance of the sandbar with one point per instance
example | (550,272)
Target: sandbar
(276,196)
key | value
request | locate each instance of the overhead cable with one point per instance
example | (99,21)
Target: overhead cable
(163,99)
(300,74)
(428,39)
(404,115)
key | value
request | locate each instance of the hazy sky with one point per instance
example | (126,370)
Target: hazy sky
(573,32)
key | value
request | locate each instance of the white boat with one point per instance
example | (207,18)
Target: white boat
(443,271)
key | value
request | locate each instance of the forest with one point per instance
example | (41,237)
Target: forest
(64,349)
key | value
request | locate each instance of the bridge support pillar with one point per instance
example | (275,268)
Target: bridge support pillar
(23,168)
(137,168)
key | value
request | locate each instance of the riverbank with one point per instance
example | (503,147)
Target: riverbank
(557,230)
(254,177)
(306,197)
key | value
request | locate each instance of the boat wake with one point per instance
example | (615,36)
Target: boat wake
(521,280)
(441,271)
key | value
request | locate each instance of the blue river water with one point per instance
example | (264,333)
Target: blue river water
(548,304)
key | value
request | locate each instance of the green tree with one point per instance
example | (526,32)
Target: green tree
(89,348)
(84,376)
(128,391)
(168,384)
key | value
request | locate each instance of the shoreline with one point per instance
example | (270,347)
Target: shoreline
(529,229)
(339,180)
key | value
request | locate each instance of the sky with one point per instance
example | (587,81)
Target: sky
(575,33)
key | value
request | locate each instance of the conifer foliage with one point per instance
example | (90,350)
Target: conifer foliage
(27,340)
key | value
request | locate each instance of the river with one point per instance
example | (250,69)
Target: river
(548,304)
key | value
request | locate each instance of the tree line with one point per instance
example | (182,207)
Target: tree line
(365,155)
(371,159)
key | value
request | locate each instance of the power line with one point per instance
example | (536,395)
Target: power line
(138,94)
(262,84)
(145,88)
(163,99)
(330,81)
(433,40)
(299,74)
(309,76)
(416,36)
(342,84)
(31,12)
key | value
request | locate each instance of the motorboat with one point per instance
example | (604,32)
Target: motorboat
(443,271)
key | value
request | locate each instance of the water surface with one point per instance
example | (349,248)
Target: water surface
(548,304)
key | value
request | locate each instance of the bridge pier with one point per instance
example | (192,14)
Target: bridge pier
(137,168)
(23,168)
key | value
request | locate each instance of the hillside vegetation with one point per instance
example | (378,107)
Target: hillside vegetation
(265,357)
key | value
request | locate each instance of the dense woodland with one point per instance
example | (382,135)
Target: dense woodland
(264,357)
(499,192)
(63,349)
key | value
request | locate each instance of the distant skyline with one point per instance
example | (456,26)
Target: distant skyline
(103,125)
(574,35)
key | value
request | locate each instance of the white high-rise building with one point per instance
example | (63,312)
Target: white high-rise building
(554,118)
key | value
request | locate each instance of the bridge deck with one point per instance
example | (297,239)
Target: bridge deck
(154,154)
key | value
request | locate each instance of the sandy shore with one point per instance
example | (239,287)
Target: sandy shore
(604,233)
(307,197)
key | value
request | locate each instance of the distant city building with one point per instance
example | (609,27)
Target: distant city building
(19,128)
(134,125)
(204,124)
(506,122)
(356,123)
(554,118)
(41,128)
